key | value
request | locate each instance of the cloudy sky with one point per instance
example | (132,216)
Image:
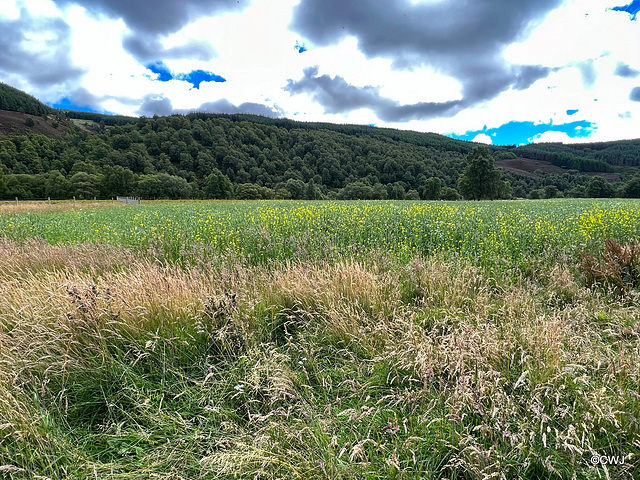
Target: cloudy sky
(500,71)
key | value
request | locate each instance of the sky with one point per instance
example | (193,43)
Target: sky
(492,71)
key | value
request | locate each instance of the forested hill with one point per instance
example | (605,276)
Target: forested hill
(203,155)
(15,100)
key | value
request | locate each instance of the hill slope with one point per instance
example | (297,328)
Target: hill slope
(15,100)
(246,156)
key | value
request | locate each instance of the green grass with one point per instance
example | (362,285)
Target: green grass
(377,340)
(487,232)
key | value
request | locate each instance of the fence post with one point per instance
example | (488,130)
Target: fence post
(16,201)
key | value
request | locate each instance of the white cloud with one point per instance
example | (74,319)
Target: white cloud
(254,52)
(552,137)
(483,138)
(10,10)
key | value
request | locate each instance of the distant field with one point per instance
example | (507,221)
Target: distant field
(320,340)
(483,232)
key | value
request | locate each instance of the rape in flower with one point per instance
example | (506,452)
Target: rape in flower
(279,230)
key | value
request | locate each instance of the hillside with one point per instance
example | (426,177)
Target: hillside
(15,100)
(15,124)
(203,155)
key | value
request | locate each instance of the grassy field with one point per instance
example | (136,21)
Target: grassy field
(277,340)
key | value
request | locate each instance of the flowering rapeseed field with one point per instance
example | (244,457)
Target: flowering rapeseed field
(261,231)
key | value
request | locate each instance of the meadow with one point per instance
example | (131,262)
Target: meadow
(282,339)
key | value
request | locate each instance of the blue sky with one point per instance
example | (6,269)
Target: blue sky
(195,77)
(518,133)
(505,72)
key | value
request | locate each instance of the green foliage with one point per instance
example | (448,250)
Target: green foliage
(217,185)
(360,190)
(163,185)
(632,188)
(432,189)
(486,231)
(448,193)
(85,185)
(117,181)
(551,191)
(57,186)
(588,157)
(598,187)
(16,100)
(249,191)
(29,122)
(481,179)
(297,160)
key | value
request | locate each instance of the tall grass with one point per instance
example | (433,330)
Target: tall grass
(114,365)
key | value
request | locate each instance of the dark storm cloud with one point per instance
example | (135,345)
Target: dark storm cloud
(635,94)
(463,39)
(334,94)
(41,63)
(625,71)
(528,75)
(160,105)
(338,96)
(159,17)
(150,20)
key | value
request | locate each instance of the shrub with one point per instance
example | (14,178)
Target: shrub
(619,267)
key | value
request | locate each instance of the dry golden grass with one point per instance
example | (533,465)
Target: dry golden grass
(11,207)
(114,366)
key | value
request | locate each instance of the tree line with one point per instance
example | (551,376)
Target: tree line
(217,156)
(203,155)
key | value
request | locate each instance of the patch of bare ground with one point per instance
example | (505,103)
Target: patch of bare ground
(528,167)
(14,123)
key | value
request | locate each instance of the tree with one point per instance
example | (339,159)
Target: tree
(356,191)
(163,185)
(395,191)
(311,191)
(481,179)
(118,181)
(448,193)
(57,186)
(432,188)
(598,187)
(630,190)
(3,185)
(412,195)
(217,185)
(85,185)
(296,188)
(551,191)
